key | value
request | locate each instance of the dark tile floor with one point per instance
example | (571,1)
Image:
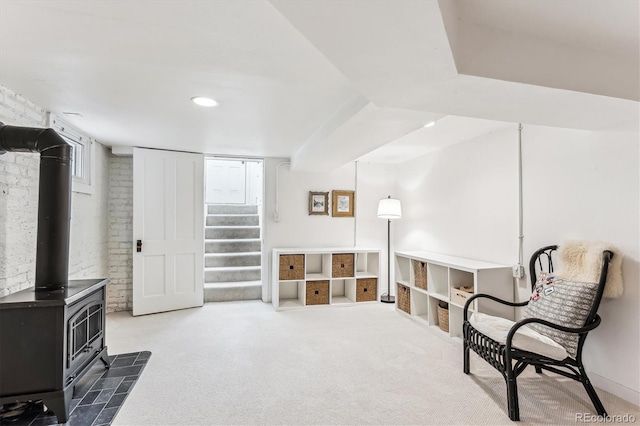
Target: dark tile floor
(97,397)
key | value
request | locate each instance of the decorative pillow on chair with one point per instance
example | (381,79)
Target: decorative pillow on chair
(561,302)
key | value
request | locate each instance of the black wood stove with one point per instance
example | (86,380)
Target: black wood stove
(50,334)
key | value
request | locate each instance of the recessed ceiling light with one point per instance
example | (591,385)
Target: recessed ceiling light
(430,124)
(205,102)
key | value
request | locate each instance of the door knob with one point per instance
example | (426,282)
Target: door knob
(139,246)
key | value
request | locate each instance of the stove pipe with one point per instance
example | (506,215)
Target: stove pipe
(54,200)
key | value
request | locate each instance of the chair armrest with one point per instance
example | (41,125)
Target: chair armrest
(488,296)
(596,322)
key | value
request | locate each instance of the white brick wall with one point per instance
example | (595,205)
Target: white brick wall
(19,205)
(120,290)
(18,198)
(18,111)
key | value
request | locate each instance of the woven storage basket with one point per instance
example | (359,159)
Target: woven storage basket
(443,318)
(291,267)
(317,293)
(404,298)
(420,274)
(366,289)
(342,265)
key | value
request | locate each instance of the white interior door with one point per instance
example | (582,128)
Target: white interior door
(226,181)
(168,221)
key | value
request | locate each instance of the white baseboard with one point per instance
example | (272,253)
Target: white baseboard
(628,394)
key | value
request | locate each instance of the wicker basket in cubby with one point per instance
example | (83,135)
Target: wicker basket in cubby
(366,289)
(443,316)
(420,274)
(317,293)
(342,265)
(404,298)
(291,267)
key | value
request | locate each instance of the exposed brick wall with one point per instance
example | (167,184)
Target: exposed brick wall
(120,290)
(18,111)
(19,174)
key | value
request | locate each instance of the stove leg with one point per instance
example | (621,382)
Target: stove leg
(104,357)
(60,404)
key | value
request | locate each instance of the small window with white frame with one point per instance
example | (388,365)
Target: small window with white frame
(81,165)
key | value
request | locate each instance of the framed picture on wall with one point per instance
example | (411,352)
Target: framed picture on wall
(343,203)
(318,203)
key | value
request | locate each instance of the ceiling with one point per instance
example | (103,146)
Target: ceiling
(322,82)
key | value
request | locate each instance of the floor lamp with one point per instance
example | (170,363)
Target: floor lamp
(389,208)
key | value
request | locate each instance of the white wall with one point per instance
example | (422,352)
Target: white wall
(585,185)
(375,181)
(462,200)
(297,228)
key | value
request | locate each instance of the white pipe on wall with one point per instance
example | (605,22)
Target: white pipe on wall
(276,213)
(520,202)
(355,213)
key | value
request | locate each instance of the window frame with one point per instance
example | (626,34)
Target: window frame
(76,138)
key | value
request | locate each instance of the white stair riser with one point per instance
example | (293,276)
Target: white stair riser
(232,237)
(223,233)
(227,294)
(238,246)
(246,220)
(231,276)
(230,209)
(239,260)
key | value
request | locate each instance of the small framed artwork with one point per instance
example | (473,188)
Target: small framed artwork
(343,203)
(318,203)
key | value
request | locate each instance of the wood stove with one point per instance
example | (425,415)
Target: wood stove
(48,341)
(51,334)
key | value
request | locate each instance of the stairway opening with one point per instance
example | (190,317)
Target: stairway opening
(233,229)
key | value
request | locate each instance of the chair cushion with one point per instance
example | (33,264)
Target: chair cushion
(525,338)
(561,302)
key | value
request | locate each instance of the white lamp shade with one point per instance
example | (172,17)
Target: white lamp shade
(389,208)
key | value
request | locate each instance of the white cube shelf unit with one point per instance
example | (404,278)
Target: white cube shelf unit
(350,273)
(444,274)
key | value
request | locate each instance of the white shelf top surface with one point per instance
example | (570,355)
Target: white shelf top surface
(450,261)
(439,296)
(317,276)
(290,303)
(323,250)
(362,274)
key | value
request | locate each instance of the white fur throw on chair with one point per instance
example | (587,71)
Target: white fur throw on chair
(582,260)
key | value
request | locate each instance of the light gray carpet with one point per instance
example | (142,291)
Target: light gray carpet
(243,363)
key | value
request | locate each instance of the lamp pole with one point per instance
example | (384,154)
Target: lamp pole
(389,208)
(389,298)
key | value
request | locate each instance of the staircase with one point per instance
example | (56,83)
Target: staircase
(232,253)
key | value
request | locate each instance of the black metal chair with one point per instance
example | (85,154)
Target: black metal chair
(511,361)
